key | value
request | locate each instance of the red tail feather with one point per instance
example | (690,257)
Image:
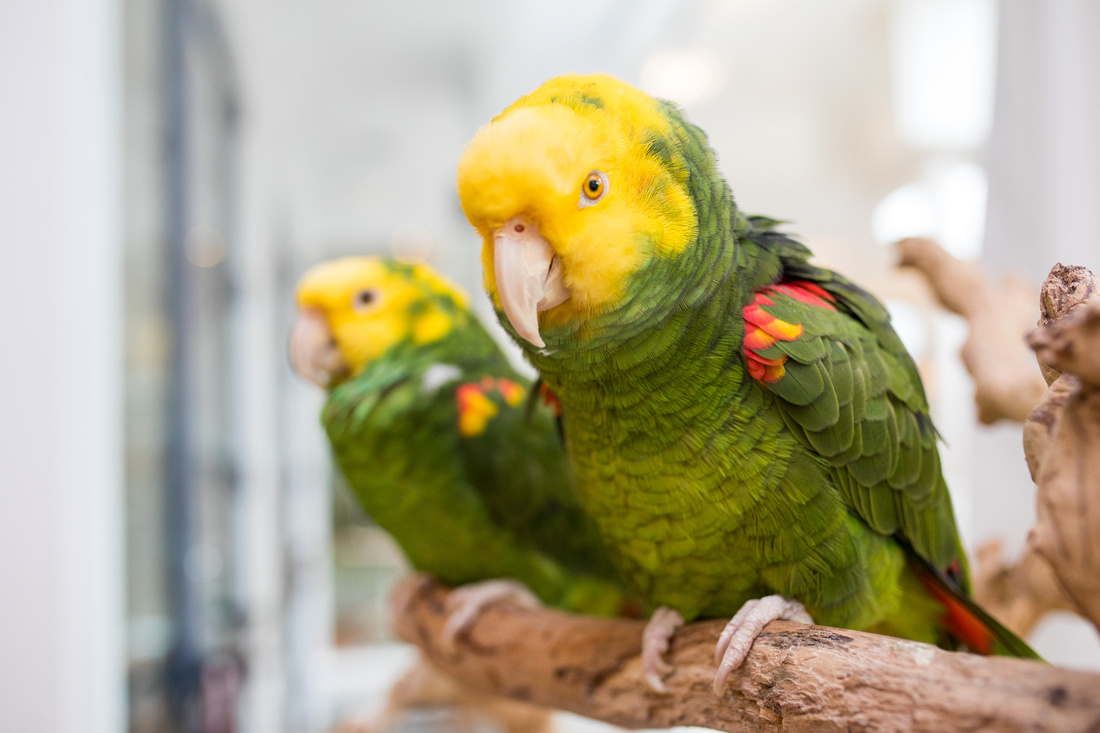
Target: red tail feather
(959,619)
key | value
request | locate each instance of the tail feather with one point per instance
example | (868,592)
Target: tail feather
(967,621)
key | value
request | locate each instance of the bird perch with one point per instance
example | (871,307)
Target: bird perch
(1062,435)
(796,677)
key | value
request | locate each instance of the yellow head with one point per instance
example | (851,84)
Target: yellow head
(571,196)
(353,310)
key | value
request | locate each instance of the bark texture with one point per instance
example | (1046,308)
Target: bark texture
(1062,435)
(796,678)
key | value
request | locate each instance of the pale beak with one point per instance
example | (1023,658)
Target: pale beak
(528,274)
(314,354)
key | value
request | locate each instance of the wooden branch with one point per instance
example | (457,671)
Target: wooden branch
(796,677)
(1069,344)
(1067,531)
(1062,435)
(1006,385)
(1065,290)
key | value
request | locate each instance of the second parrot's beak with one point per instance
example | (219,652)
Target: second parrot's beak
(528,274)
(314,354)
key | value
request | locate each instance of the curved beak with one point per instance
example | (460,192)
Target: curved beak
(313,352)
(528,274)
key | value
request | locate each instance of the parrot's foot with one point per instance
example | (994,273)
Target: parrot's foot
(740,633)
(658,633)
(466,603)
(408,590)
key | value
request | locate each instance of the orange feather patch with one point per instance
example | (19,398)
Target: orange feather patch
(475,409)
(550,399)
(763,330)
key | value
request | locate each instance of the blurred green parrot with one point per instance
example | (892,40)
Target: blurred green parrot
(434,432)
(747,428)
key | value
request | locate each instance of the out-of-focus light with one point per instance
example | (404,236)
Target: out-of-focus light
(204,246)
(910,325)
(960,194)
(909,211)
(413,243)
(685,76)
(949,208)
(943,67)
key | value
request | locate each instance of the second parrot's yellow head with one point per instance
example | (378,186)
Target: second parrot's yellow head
(574,188)
(353,310)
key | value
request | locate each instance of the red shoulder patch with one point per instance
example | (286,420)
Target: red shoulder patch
(476,409)
(762,329)
(550,399)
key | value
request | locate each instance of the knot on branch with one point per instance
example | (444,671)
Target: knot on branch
(1065,288)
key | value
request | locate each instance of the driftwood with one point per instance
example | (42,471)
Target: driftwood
(1006,384)
(1062,435)
(797,677)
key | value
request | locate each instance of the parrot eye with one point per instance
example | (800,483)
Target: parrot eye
(593,189)
(364,299)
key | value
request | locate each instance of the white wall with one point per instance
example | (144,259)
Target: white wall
(61,577)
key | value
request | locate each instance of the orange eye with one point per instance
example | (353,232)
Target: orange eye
(593,186)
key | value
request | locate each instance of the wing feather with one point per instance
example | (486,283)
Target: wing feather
(848,389)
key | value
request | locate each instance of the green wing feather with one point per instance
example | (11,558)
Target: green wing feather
(852,392)
(849,389)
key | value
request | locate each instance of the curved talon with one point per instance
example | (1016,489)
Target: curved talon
(466,603)
(740,633)
(656,638)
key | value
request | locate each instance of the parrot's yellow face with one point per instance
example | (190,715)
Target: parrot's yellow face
(353,310)
(571,200)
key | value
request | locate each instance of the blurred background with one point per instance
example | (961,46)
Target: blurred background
(175,551)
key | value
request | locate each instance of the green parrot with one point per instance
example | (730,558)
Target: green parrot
(747,428)
(432,428)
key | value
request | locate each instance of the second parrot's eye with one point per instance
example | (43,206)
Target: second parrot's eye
(593,188)
(364,299)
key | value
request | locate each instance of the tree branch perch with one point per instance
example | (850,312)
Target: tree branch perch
(797,677)
(1062,435)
